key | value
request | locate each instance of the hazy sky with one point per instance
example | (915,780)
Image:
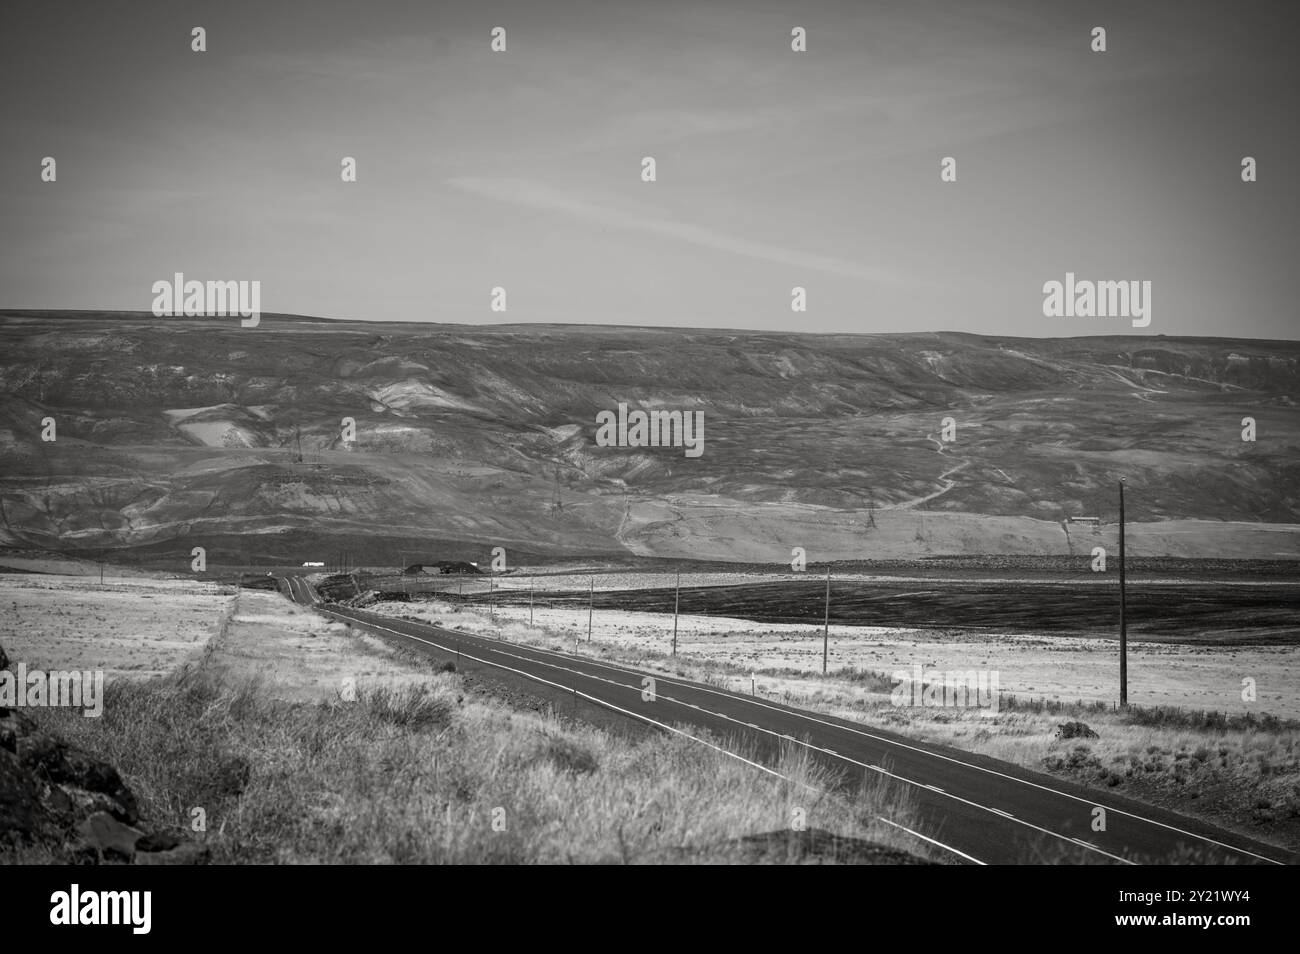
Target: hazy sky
(775,168)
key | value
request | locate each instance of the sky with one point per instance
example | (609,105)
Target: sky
(775,168)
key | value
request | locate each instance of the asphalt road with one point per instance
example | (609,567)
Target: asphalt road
(976,809)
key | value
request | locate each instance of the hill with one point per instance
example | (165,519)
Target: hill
(179,432)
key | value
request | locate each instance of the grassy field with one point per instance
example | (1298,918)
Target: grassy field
(127,625)
(263,732)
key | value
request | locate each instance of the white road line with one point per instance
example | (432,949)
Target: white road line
(662,725)
(728,718)
(933,842)
(871,735)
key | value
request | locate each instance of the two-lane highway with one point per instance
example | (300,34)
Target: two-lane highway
(978,809)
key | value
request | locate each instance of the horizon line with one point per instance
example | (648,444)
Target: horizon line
(127,314)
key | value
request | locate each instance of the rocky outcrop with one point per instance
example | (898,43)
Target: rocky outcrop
(55,796)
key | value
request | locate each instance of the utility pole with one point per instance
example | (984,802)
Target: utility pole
(677,602)
(530,601)
(1123,599)
(591,602)
(826,631)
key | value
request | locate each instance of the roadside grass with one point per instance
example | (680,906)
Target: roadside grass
(1239,771)
(431,773)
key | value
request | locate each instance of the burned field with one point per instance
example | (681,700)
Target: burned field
(1203,612)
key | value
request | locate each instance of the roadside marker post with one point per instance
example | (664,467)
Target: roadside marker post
(530,602)
(591,602)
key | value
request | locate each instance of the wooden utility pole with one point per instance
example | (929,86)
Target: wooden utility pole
(591,600)
(1123,607)
(826,630)
(530,602)
(677,603)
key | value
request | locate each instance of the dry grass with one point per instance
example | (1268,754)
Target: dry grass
(421,773)
(134,625)
(256,732)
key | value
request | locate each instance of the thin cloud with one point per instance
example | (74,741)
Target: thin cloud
(538,196)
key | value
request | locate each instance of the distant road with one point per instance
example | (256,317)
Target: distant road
(976,809)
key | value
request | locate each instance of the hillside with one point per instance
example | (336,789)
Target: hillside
(174,433)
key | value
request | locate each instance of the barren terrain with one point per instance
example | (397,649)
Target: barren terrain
(173,433)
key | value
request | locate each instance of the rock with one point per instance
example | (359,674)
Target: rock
(60,797)
(99,777)
(1075,730)
(52,760)
(185,853)
(114,840)
(39,752)
(111,840)
(157,841)
(19,801)
(13,726)
(87,803)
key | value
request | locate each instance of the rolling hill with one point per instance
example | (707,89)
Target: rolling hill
(178,432)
